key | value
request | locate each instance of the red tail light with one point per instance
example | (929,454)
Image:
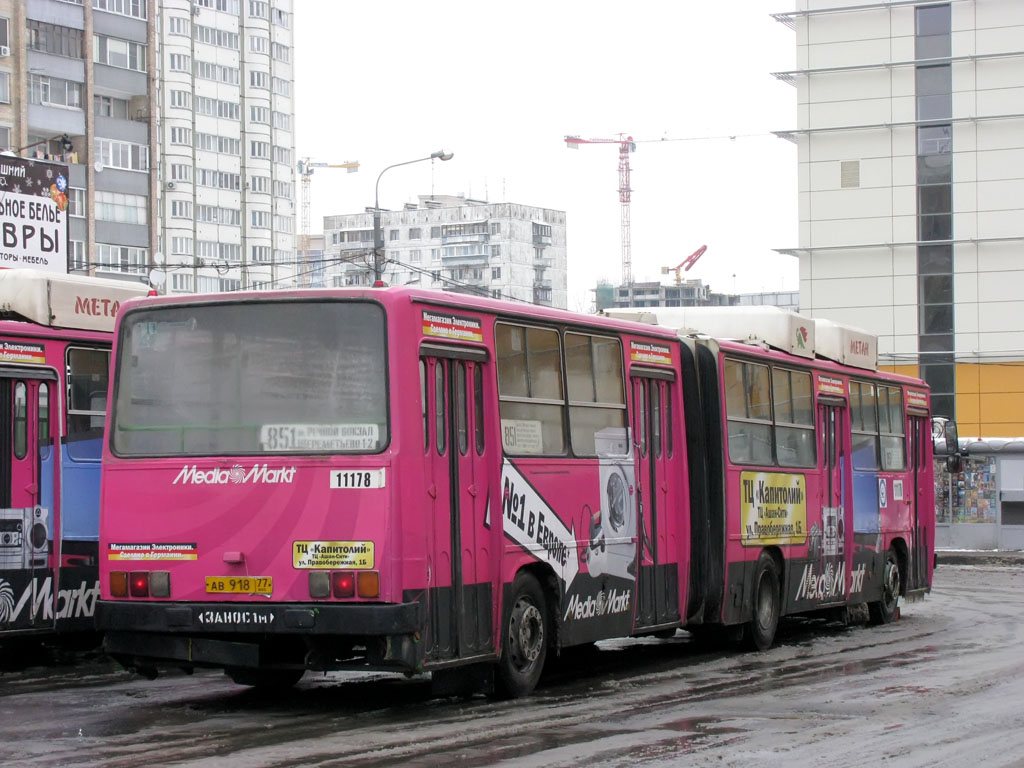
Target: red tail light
(138,584)
(343,583)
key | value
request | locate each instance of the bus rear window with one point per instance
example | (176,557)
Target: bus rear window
(247,378)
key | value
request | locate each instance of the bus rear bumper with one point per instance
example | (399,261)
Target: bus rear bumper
(144,635)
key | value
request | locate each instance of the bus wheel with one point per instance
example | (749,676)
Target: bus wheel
(885,610)
(266,679)
(762,626)
(524,638)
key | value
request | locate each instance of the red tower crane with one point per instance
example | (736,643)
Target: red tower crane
(685,264)
(626,145)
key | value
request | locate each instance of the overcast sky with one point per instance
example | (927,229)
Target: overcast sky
(501,85)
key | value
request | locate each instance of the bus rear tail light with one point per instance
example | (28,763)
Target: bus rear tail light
(343,583)
(319,584)
(119,584)
(160,583)
(368,584)
(138,584)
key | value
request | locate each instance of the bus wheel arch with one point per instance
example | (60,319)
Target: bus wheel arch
(766,600)
(527,631)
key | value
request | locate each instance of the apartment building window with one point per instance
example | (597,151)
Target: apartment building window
(495,273)
(495,251)
(120,207)
(181,136)
(435,255)
(258,44)
(181,246)
(415,256)
(258,9)
(281,53)
(54,38)
(181,172)
(282,87)
(122,258)
(181,100)
(206,177)
(54,92)
(231,252)
(77,255)
(282,155)
(134,8)
(281,18)
(259,79)
(260,219)
(5,31)
(260,149)
(284,224)
(5,136)
(260,253)
(179,62)
(228,6)
(259,184)
(181,209)
(118,53)
(76,201)
(216,37)
(212,214)
(181,283)
(415,233)
(282,121)
(393,234)
(495,227)
(110,106)
(218,73)
(5,91)
(283,189)
(177,26)
(259,115)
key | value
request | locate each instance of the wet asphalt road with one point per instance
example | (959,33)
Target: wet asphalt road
(944,686)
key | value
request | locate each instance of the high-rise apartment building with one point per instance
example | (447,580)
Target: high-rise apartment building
(503,250)
(176,120)
(910,129)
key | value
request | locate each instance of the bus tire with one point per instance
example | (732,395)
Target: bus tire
(767,604)
(885,610)
(265,679)
(524,638)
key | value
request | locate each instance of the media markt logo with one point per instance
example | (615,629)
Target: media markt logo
(259,473)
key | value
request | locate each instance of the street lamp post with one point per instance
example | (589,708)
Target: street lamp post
(378,236)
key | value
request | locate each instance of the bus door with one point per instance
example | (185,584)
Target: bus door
(27,474)
(657,600)
(920,432)
(836,513)
(459,590)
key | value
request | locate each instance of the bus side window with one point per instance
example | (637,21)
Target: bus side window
(20,420)
(461,408)
(440,408)
(44,415)
(478,404)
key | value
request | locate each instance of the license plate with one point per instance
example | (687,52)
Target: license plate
(240,585)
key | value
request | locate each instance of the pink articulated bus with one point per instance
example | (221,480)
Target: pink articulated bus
(405,480)
(55,337)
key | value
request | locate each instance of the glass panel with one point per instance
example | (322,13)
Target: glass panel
(940,342)
(461,408)
(936,318)
(935,259)
(478,401)
(935,198)
(668,420)
(510,352)
(782,396)
(735,399)
(20,420)
(865,451)
(943,405)
(544,364)
(934,107)
(894,453)
(423,404)
(579,368)
(609,383)
(939,377)
(44,414)
(440,404)
(656,418)
(936,289)
(536,418)
(803,400)
(934,169)
(598,431)
(935,140)
(641,416)
(750,443)
(252,377)
(933,20)
(758,392)
(932,81)
(897,421)
(939,227)
(932,47)
(795,446)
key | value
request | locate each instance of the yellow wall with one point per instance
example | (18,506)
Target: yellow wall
(989,397)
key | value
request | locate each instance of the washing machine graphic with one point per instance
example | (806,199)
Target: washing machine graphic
(23,538)
(613,528)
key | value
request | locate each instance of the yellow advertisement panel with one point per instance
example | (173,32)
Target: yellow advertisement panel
(332,554)
(773,509)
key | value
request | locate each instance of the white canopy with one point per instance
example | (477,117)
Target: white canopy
(65,301)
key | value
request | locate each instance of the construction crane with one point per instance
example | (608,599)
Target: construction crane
(685,264)
(306,168)
(626,145)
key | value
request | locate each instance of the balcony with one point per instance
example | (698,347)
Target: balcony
(467,238)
